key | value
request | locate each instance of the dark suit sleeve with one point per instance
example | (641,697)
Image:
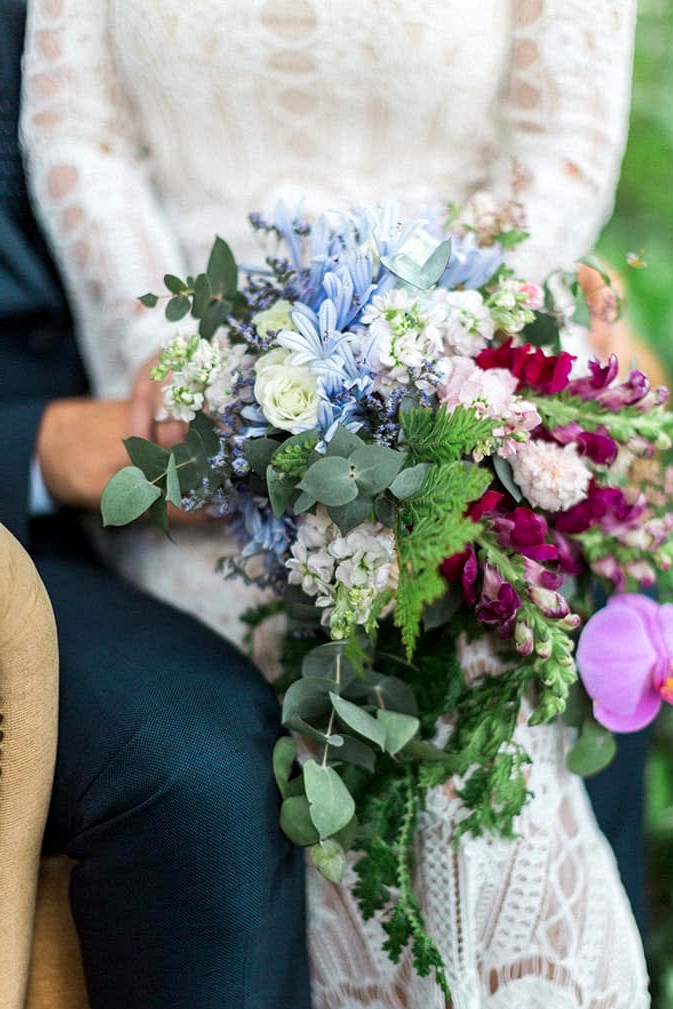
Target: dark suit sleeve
(19,420)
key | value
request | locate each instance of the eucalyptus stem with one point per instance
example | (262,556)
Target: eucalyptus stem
(330,724)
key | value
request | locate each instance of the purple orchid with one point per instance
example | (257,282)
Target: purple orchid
(625,660)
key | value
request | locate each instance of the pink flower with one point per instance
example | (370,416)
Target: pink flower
(534,296)
(625,659)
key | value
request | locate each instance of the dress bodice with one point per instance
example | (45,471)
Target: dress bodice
(328,102)
(152,124)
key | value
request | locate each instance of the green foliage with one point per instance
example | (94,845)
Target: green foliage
(444,436)
(127,496)
(423,277)
(593,749)
(430,527)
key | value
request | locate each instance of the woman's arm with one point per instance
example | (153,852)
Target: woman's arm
(89,177)
(565,120)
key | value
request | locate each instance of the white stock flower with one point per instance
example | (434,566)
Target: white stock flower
(221,391)
(347,575)
(287,393)
(401,340)
(465,324)
(552,477)
(192,362)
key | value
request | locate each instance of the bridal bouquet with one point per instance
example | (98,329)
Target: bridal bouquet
(385,416)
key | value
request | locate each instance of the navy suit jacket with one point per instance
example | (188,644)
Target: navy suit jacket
(38,357)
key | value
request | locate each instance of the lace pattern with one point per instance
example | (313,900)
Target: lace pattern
(150,124)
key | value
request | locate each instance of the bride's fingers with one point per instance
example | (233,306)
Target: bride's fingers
(169,432)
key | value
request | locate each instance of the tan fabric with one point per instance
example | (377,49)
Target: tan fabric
(28,704)
(56,978)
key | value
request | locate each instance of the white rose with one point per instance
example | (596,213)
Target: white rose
(288,395)
(274,318)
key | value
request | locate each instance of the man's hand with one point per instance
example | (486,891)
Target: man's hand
(79,447)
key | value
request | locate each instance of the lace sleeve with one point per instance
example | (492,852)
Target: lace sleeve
(89,179)
(565,121)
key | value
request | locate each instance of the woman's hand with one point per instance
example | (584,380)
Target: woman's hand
(147,403)
(610,332)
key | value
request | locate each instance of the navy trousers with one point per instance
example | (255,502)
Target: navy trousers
(186,894)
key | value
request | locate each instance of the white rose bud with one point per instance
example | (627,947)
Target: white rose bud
(274,318)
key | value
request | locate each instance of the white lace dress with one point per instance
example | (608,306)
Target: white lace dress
(152,124)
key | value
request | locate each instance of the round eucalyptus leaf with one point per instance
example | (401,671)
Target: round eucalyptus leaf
(330,802)
(329,858)
(295,821)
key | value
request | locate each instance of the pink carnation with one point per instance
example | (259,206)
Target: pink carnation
(625,659)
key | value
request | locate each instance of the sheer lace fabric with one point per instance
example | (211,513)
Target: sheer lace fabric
(539,922)
(149,125)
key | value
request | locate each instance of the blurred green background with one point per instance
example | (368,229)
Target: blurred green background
(643,218)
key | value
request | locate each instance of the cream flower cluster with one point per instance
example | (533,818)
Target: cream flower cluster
(552,477)
(465,325)
(204,375)
(348,575)
(402,341)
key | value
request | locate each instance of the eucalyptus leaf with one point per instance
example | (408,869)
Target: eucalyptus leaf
(150,458)
(393,694)
(330,481)
(593,750)
(503,471)
(354,751)
(296,823)
(177,307)
(297,724)
(258,452)
(192,459)
(331,804)
(158,513)
(543,331)
(284,756)
(384,509)
(436,264)
(344,442)
(222,271)
(359,720)
(127,496)
(578,706)
(352,514)
(214,316)
(281,488)
(202,295)
(329,859)
(409,481)
(204,427)
(427,752)
(322,662)
(174,284)
(400,729)
(308,698)
(302,503)
(173,494)
(424,277)
(375,467)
